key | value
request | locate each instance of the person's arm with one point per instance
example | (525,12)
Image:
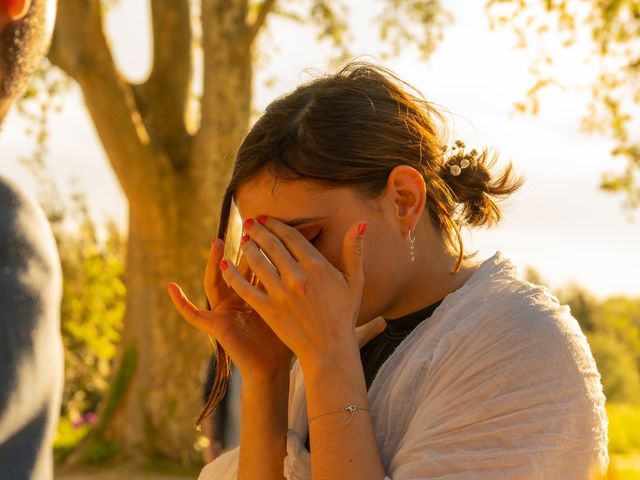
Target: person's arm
(263,433)
(31,353)
(340,450)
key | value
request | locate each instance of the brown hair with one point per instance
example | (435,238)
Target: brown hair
(351,129)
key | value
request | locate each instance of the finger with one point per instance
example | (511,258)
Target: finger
(259,264)
(290,238)
(245,270)
(199,319)
(353,253)
(212,274)
(250,294)
(273,247)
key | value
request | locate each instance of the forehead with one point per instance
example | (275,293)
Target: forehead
(285,199)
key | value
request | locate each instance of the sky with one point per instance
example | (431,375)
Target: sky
(558,222)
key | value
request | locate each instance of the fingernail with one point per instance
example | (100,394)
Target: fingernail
(247,223)
(262,219)
(224,265)
(245,239)
(362,228)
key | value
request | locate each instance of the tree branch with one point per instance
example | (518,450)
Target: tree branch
(80,48)
(265,9)
(162,99)
(226,98)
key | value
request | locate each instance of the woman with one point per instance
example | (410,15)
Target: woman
(412,361)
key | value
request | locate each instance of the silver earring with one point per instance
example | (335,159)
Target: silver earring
(412,245)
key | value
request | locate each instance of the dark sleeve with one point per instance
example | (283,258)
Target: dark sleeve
(31,358)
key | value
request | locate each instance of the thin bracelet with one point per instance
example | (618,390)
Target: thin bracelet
(349,408)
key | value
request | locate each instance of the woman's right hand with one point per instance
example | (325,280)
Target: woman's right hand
(256,350)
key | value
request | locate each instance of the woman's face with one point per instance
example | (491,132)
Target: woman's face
(323,215)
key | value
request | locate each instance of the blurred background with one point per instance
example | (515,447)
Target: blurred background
(127,133)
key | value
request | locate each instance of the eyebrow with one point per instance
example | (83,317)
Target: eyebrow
(299,221)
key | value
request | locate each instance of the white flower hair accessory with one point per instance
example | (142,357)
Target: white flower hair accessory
(457,154)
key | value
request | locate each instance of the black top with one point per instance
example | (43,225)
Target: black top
(376,351)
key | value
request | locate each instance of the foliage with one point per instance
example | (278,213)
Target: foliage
(42,96)
(618,316)
(92,310)
(624,427)
(400,28)
(621,316)
(606,35)
(613,330)
(620,373)
(67,437)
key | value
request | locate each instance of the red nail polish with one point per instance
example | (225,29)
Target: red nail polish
(262,219)
(224,265)
(362,228)
(245,239)
(247,223)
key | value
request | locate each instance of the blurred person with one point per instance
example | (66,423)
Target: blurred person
(221,428)
(31,355)
(412,360)
(213,425)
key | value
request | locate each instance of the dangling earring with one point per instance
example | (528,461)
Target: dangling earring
(412,242)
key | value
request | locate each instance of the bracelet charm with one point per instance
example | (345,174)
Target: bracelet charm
(349,408)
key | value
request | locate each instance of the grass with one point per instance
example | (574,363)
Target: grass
(624,441)
(624,466)
(624,428)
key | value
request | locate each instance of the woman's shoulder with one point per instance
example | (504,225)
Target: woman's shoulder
(502,301)
(502,315)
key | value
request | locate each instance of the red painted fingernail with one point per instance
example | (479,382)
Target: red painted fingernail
(247,223)
(224,265)
(362,228)
(262,219)
(245,239)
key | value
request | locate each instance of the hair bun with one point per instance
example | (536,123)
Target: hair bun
(468,175)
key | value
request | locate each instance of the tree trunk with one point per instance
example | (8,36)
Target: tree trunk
(173,182)
(156,416)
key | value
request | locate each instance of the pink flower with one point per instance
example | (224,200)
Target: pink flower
(90,418)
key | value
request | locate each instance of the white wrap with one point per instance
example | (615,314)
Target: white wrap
(499,383)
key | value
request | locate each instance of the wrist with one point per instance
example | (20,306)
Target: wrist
(335,381)
(341,356)
(274,382)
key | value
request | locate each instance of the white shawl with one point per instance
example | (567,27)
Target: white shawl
(499,383)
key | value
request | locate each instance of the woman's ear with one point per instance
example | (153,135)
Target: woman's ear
(407,192)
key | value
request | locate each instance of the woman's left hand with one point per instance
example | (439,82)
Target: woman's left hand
(310,304)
